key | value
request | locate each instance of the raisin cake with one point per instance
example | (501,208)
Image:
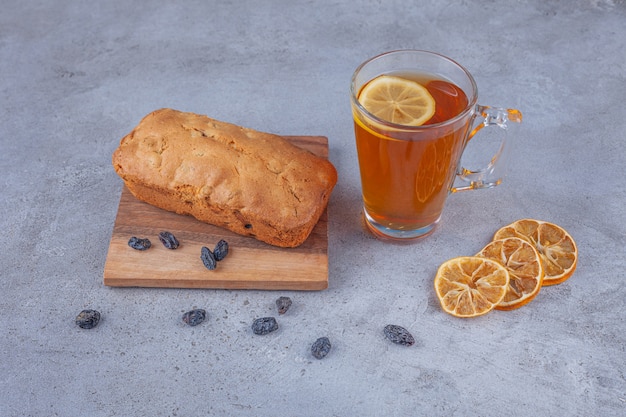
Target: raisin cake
(250,182)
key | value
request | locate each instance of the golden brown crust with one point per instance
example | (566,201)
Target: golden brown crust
(250,182)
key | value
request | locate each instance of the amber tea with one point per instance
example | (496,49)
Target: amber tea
(406,176)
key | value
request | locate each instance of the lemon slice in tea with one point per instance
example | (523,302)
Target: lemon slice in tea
(398,100)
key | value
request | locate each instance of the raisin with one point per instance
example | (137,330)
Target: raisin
(194,317)
(320,348)
(221,250)
(247,226)
(169,240)
(283,304)
(264,325)
(398,335)
(139,244)
(88,319)
(208,259)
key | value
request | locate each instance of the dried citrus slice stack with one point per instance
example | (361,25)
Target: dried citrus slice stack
(398,100)
(471,286)
(522,261)
(556,248)
(532,254)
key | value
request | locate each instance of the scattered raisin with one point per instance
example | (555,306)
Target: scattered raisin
(139,244)
(168,240)
(194,317)
(398,335)
(320,348)
(247,226)
(264,325)
(88,319)
(208,258)
(221,250)
(283,304)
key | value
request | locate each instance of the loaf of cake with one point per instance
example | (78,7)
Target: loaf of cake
(250,182)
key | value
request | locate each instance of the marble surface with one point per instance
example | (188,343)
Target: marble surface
(75,77)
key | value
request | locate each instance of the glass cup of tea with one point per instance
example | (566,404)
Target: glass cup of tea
(414,113)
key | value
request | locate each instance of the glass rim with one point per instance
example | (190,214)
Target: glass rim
(395,126)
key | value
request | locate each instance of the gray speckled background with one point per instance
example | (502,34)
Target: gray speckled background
(76,76)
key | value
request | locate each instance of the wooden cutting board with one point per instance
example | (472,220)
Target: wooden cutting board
(250,264)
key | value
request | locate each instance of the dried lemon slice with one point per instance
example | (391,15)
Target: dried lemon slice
(397,100)
(556,247)
(471,286)
(525,270)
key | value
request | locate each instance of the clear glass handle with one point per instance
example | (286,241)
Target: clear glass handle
(493,174)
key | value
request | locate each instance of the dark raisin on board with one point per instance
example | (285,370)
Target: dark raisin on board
(194,317)
(283,304)
(208,258)
(169,240)
(88,319)
(139,244)
(264,325)
(221,250)
(398,335)
(320,348)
